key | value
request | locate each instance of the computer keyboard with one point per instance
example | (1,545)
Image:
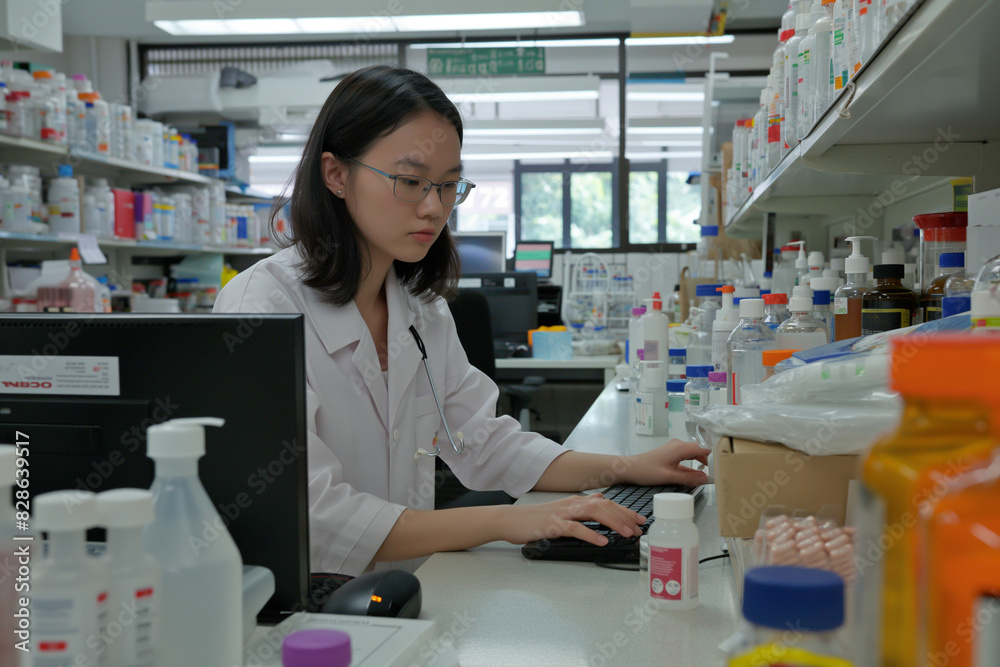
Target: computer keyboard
(619,549)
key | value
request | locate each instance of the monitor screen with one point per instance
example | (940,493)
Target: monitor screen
(82,389)
(513,301)
(534,256)
(482,252)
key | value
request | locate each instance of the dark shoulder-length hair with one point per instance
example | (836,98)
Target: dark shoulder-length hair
(365,106)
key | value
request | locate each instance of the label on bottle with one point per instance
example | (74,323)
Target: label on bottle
(932,313)
(840,305)
(61,627)
(140,637)
(982,324)
(673,573)
(878,320)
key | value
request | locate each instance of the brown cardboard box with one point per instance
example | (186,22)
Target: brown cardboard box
(752,476)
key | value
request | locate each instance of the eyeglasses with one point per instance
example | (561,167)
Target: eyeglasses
(415,188)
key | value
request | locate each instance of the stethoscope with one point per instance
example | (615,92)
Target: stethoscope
(460,447)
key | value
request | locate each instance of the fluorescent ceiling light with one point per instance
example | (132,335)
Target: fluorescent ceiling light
(677,155)
(538,96)
(666,130)
(523,43)
(533,132)
(666,142)
(686,40)
(266,17)
(556,155)
(665,96)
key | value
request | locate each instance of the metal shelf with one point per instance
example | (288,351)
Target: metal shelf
(921,111)
(19,241)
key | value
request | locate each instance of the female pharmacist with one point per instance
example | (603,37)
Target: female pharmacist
(372,256)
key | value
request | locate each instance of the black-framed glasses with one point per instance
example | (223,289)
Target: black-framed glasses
(415,188)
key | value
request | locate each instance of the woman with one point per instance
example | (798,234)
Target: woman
(372,258)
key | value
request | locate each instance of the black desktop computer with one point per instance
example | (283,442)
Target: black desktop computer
(81,390)
(513,301)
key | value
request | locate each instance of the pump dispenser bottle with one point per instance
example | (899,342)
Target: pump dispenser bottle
(801,263)
(9,655)
(202,602)
(847,300)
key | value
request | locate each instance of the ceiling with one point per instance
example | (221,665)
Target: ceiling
(127,18)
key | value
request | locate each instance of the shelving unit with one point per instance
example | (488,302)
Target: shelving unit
(921,111)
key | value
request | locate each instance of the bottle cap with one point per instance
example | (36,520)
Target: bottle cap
(772,357)
(768,274)
(316,648)
(893,271)
(706,290)
(717,376)
(65,510)
(951,260)
(775,298)
(125,508)
(65,171)
(710,230)
(825,283)
(752,308)
(821,297)
(726,289)
(800,304)
(781,597)
(638,310)
(8,467)
(947,358)
(699,371)
(673,506)
(943,227)
(803,291)
(857,263)
(677,352)
(676,386)
(74,254)
(816,259)
(179,438)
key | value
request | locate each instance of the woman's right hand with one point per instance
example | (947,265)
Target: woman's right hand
(563,517)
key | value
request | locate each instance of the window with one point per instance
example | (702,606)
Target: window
(541,207)
(574,205)
(591,209)
(683,209)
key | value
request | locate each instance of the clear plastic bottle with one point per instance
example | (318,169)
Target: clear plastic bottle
(717,388)
(943,432)
(201,606)
(988,279)
(677,368)
(136,578)
(782,602)
(9,655)
(801,331)
(673,553)
(696,395)
(68,589)
(931,301)
(82,292)
(311,648)
(676,426)
(957,293)
(746,347)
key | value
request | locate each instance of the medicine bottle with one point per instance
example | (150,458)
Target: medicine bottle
(888,305)
(943,432)
(673,553)
(135,577)
(792,616)
(311,648)
(695,396)
(651,400)
(717,388)
(949,263)
(8,595)
(677,427)
(677,370)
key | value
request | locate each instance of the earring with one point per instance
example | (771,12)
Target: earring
(340,192)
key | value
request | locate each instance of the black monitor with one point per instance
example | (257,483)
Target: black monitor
(83,389)
(482,252)
(513,300)
(534,256)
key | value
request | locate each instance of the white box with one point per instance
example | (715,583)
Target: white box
(983,235)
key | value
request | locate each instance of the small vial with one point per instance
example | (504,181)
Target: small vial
(309,648)
(673,553)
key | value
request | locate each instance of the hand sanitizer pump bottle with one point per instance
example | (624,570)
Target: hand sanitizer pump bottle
(201,608)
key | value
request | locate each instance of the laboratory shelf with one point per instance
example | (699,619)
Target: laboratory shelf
(20,241)
(921,111)
(121,173)
(237,196)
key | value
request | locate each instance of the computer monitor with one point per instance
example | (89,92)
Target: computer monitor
(513,300)
(534,256)
(83,389)
(482,252)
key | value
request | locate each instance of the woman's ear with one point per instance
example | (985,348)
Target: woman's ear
(334,174)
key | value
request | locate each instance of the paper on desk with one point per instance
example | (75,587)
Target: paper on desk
(375,641)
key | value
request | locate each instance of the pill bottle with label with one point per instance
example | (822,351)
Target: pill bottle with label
(673,553)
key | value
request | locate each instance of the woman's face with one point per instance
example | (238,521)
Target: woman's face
(392,228)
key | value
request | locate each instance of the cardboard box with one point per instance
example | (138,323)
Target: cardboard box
(752,476)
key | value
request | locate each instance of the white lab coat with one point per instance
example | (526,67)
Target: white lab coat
(364,430)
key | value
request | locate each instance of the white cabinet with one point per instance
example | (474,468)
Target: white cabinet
(921,111)
(31,25)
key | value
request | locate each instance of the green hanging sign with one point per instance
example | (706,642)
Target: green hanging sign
(479,62)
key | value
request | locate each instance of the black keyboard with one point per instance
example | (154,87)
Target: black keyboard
(619,549)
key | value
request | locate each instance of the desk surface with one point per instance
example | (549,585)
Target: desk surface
(605,361)
(501,609)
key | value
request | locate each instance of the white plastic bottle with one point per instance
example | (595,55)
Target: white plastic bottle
(815,269)
(636,341)
(673,553)
(801,263)
(823,61)
(65,583)
(17,208)
(807,71)
(792,51)
(201,606)
(802,331)
(64,202)
(841,54)
(867,34)
(652,415)
(726,319)
(746,348)
(655,331)
(136,578)
(9,593)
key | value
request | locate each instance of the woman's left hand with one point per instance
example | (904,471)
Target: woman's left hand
(663,465)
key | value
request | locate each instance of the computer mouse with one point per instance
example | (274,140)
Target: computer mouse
(393,593)
(522,351)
